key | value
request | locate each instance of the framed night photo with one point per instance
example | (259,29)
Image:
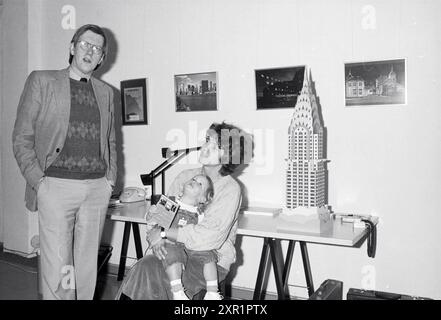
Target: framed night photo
(134,101)
(278,88)
(196,92)
(376,83)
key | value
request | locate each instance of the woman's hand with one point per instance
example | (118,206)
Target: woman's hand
(150,218)
(150,213)
(159,249)
(157,243)
(153,235)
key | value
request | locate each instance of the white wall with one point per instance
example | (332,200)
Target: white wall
(384,160)
(17,223)
(1,116)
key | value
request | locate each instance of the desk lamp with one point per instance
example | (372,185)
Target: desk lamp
(172,156)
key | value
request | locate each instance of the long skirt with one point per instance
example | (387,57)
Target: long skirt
(147,279)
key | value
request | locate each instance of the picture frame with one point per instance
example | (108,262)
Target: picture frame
(134,101)
(196,92)
(278,88)
(375,83)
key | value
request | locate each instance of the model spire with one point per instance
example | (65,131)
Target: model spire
(306,172)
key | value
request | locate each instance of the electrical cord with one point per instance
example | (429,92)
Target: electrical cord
(372,230)
(372,238)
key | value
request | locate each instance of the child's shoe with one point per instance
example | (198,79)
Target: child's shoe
(180,295)
(211,295)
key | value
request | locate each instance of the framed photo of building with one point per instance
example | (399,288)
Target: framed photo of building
(278,88)
(196,92)
(376,83)
(134,101)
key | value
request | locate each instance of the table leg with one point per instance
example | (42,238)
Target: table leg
(288,260)
(263,266)
(137,239)
(307,268)
(124,247)
(278,268)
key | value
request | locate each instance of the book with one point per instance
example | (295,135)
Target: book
(165,213)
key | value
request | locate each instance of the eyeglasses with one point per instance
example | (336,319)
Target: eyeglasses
(97,50)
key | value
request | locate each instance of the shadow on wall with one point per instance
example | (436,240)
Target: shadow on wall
(112,53)
(249,154)
(248,148)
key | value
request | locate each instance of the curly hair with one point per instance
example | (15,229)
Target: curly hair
(237,146)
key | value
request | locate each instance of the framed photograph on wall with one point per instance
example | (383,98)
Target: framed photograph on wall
(279,87)
(134,101)
(196,92)
(376,83)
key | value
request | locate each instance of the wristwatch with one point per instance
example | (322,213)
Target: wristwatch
(163,234)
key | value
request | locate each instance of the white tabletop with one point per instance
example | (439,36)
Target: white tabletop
(258,225)
(129,212)
(336,233)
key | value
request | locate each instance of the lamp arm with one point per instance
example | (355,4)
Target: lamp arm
(172,158)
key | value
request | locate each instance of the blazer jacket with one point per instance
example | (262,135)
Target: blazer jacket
(42,121)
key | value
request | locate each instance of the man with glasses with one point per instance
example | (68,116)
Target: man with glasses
(64,144)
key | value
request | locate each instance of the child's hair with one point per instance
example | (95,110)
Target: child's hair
(209,193)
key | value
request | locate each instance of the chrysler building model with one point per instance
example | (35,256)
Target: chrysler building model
(306,167)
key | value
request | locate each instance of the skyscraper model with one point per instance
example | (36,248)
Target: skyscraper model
(306,167)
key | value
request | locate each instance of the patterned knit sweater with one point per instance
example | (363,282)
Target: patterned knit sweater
(80,157)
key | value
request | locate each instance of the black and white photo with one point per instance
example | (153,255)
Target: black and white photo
(279,87)
(375,83)
(274,126)
(134,101)
(196,92)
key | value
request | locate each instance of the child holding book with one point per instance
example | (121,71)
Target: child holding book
(196,195)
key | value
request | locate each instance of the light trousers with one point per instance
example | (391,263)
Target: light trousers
(71,215)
